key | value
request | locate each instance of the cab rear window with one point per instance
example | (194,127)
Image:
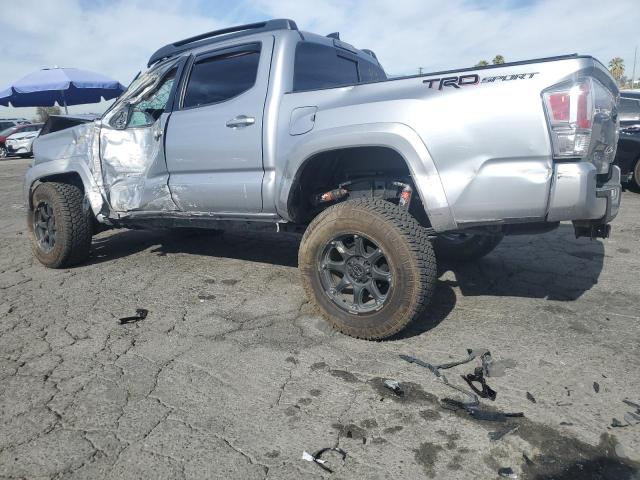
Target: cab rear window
(319,66)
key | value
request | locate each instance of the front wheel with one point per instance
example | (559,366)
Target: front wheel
(59,225)
(3,151)
(636,175)
(465,247)
(368,266)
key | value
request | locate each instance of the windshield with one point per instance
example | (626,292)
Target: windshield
(8,131)
(142,84)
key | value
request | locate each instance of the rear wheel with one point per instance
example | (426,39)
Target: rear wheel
(368,266)
(465,247)
(59,225)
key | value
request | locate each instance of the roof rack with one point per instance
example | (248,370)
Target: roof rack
(210,37)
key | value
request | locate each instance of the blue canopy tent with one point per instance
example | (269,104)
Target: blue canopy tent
(64,86)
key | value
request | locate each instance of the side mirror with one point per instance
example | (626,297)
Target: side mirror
(121,119)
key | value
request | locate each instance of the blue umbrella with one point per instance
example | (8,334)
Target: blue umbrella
(64,86)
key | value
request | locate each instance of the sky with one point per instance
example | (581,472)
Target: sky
(116,38)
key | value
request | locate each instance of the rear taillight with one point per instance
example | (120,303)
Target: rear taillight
(573,110)
(570,110)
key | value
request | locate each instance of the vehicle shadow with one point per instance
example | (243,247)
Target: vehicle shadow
(272,248)
(555,266)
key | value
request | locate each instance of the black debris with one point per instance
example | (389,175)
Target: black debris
(394,386)
(141,314)
(507,472)
(631,418)
(478,376)
(531,398)
(527,460)
(317,456)
(498,434)
(617,423)
(566,424)
(632,404)
(563,404)
(493,416)
(479,413)
(596,387)
(435,369)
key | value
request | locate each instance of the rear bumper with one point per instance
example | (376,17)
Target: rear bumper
(576,195)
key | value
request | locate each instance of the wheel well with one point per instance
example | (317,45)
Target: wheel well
(327,170)
(72,178)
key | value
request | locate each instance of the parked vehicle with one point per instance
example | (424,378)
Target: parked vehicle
(628,152)
(4,134)
(20,143)
(266,126)
(11,122)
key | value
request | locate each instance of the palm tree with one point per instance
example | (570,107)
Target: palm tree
(497,60)
(616,67)
(482,63)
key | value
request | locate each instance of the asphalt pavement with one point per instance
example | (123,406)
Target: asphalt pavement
(233,375)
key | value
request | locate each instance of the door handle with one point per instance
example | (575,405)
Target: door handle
(241,121)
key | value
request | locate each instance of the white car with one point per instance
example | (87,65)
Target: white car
(21,142)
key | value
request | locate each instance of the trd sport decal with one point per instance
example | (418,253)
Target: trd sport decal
(474,79)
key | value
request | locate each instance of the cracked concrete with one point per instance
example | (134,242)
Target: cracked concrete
(233,375)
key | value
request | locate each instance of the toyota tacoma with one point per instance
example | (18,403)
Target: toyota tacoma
(267,126)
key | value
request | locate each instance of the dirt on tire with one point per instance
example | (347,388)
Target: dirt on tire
(409,253)
(73,225)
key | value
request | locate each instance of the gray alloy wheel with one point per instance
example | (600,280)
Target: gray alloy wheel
(355,273)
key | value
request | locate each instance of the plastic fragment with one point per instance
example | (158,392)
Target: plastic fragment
(531,398)
(632,404)
(478,376)
(479,413)
(394,386)
(309,458)
(507,472)
(315,458)
(631,418)
(617,423)
(435,369)
(141,314)
(497,435)
(596,387)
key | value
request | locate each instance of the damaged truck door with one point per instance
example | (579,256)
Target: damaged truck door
(132,154)
(214,141)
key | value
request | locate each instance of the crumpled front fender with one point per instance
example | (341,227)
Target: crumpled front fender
(70,151)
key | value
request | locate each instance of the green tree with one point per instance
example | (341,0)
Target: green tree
(482,63)
(616,67)
(44,112)
(498,60)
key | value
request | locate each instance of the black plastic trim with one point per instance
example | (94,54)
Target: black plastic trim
(226,33)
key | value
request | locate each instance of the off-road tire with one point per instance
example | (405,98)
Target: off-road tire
(73,225)
(410,256)
(470,249)
(636,176)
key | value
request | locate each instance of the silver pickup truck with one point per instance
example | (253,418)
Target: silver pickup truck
(269,127)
